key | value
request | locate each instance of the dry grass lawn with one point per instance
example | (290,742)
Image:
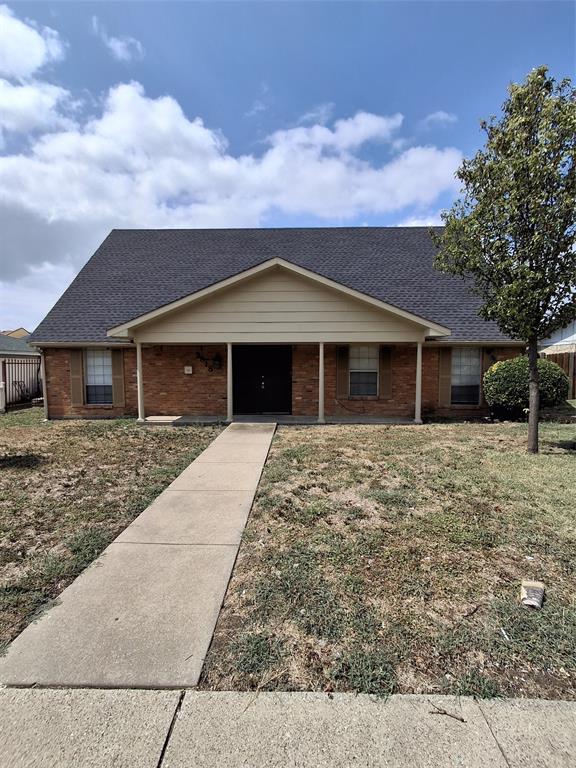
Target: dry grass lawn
(66,490)
(389,558)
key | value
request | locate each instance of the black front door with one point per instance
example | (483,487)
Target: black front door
(262,379)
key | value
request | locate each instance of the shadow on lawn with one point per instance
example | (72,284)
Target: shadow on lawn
(21,461)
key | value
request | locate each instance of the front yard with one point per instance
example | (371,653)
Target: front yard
(385,559)
(66,490)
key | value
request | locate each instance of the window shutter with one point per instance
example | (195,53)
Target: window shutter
(385,389)
(444,377)
(76,377)
(118,377)
(342,374)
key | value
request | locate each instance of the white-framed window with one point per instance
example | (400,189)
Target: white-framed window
(98,376)
(363,366)
(466,370)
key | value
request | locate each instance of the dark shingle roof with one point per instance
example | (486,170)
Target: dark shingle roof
(136,271)
(14,346)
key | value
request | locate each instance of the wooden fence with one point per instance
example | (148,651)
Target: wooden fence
(20,381)
(567,361)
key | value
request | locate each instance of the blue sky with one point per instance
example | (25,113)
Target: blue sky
(242,114)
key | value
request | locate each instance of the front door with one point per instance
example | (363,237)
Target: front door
(262,379)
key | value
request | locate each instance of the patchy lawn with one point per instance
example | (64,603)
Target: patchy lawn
(66,490)
(389,558)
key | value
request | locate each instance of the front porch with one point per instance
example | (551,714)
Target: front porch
(281,419)
(192,384)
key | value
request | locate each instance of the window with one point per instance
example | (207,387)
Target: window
(98,376)
(363,366)
(465,376)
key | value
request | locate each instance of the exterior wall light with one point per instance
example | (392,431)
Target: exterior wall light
(213,363)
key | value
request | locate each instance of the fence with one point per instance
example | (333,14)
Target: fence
(20,381)
(566,360)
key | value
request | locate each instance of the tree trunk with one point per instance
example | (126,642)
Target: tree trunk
(534,401)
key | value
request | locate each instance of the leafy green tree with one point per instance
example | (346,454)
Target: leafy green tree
(513,231)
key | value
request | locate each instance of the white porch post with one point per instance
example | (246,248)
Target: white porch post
(140,383)
(418,399)
(321,382)
(229,383)
(3,392)
(44,387)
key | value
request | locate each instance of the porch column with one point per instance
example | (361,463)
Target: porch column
(140,383)
(44,387)
(321,382)
(3,391)
(229,384)
(418,399)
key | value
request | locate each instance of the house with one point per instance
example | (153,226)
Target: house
(20,379)
(313,324)
(561,349)
(17,333)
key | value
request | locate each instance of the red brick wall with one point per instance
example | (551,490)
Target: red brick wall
(169,391)
(430,405)
(305,379)
(403,364)
(57,371)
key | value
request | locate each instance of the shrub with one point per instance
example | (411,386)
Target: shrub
(506,386)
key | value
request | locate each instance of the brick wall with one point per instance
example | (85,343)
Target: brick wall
(57,371)
(430,405)
(169,391)
(305,379)
(401,404)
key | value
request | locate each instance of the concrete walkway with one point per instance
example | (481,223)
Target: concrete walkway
(143,614)
(166,729)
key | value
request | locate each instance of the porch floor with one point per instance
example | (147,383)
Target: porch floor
(188,420)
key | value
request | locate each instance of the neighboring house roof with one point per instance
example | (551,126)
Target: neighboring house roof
(136,271)
(18,333)
(564,339)
(9,345)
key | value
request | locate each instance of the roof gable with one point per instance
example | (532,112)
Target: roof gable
(126,329)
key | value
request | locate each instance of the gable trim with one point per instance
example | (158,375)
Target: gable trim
(124,330)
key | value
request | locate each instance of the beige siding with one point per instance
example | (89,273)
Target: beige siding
(278,306)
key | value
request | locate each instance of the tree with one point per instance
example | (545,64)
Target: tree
(513,231)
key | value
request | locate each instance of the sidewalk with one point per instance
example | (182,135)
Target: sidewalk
(168,729)
(143,614)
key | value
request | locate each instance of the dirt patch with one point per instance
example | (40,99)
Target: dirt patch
(389,558)
(67,489)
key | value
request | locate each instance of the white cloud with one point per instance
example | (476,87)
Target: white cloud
(24,47)
(32,106)
(348,134)
(439,118)
(124,48)
(142,162)
(27,300)
(257,107)
(320,114)
(427,220)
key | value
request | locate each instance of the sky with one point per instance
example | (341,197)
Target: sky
(241,114)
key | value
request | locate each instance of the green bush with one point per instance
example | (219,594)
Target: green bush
(506,386)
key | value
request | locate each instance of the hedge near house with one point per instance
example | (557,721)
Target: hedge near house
(507,389)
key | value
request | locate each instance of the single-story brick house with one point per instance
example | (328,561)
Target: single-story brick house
(316,323)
